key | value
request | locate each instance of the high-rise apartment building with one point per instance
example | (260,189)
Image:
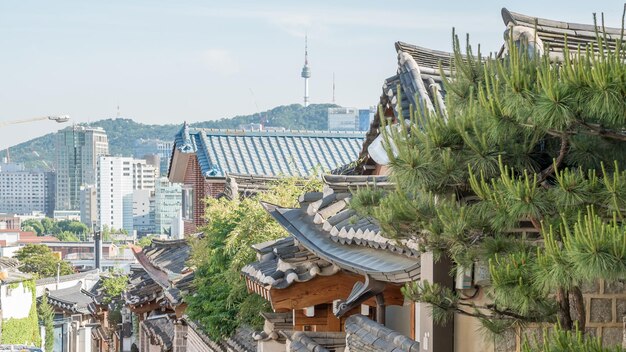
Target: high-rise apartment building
(167,204)
(88,205)
(163,149)
(117,179)
(26,191)
(78,148)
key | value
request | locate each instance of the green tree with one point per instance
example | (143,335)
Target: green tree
(145,241)
(75,227)
(113,287)
(220,302)
(46,319)
(39,260)
(67,236)
(33,225)
(523,174)
(48,226)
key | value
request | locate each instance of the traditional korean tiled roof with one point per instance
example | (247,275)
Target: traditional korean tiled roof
(328,235)
(73,299)
(169,256)
(309,341)
(274,324)
(379,263)
(160,329)
(366,335)
(283,262)
(269,153)
(141,288)
(417,83)
(212,345)
(164,262)
(552,34)
(13,274)
(240,341)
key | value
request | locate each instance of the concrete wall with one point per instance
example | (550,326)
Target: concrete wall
(15,302)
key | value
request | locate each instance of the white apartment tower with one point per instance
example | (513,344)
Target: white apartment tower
(25,191)
(117,180)
(77,148)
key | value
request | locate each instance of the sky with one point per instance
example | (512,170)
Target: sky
(190,60)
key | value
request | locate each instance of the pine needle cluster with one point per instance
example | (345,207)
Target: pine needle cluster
(524,173)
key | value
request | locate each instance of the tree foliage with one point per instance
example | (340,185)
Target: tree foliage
(145,241)
(61,229)
(219,301)
(524,174)
(46,319)
(39,260)
(113,286)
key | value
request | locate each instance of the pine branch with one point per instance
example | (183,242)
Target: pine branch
(598,130)
(549,171)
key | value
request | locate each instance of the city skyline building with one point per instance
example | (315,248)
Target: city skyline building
(143,147)
(77,151)
(89,205)
(115,192)
(25,191)
(118,179)
(167,205)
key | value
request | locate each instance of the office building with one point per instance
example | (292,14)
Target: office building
(145,147)
(343,119)
(167,205)
(117,179)
(26,191)
(78,148)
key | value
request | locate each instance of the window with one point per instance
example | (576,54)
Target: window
(188,203)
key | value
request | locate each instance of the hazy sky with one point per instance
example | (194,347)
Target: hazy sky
(170,61)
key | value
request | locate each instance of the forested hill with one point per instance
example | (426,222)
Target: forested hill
(123,133)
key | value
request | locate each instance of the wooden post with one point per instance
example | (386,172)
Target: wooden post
(380,309)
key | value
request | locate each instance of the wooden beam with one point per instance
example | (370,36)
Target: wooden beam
(325,289)
(320,290)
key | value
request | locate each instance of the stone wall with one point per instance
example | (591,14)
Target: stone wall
(605,304)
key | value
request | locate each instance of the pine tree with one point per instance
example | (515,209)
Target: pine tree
(525,174)
(46,319)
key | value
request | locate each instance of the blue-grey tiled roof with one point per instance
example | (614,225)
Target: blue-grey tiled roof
(269,153)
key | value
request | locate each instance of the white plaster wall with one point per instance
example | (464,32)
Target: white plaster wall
(398,318)
(16,304)
(271,346)
(8,251)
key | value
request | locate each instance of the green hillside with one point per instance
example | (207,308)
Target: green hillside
(122,133)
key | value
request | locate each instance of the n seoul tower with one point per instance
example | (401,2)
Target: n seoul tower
(306,73)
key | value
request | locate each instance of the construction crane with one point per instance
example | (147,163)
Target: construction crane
(59,119)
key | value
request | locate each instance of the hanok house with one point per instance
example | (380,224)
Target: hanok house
(334,269)
(202,158)
(155,298)
(73,320)
(417,84)
(155,294)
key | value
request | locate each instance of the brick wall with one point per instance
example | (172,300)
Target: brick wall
(202,189)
